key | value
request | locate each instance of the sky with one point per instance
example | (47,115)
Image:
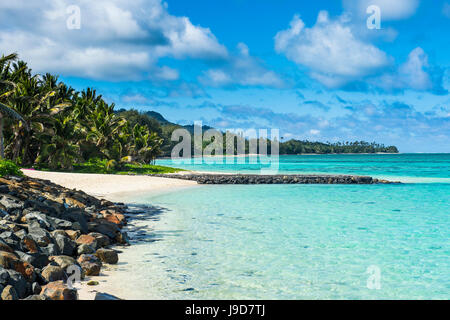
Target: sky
(312,69)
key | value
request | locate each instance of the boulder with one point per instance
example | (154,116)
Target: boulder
(107,255)
(5,247)
(87,239)
(53,273)
(105,227)
(11,203)
(38,234)
(21,234)
(29,245)
(61,224)
(57,290)
(10,239)
(51,250)
(38,259)
(9,293)
(40,218)
(63,261)
(114,217)
(102,240)
(4,277)
(58,232)
(77,218)
(122,238)
(36,288)
(36,297)
(105,296)
(8,259)
(19,283)
(73,234)
(90,264)
(25,269)
(44,206)
(85,249)
(66,246)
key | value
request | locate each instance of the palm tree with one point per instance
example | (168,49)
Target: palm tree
(104,126)
(5,82)
(61,148)
(5,110)
(32,101)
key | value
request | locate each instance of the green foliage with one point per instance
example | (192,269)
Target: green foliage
(9,168)
(48,124)
(105,166)
(299,147)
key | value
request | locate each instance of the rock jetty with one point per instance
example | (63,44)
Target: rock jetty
(275,179)
(48,232)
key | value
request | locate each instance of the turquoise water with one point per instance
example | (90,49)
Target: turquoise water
(403,167)
(299,241)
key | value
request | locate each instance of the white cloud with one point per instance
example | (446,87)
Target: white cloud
(118,39)
(390,9)
(330,50)
(241,69)
(136,98)
(413,74)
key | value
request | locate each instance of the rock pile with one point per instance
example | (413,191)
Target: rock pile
(48,232)
(274,179)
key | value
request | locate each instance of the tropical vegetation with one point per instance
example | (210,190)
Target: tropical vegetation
(45,123)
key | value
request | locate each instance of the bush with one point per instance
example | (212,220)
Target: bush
(9,168)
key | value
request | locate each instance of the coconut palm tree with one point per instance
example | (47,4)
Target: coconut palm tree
(5,110)
(5,84)
(60,148)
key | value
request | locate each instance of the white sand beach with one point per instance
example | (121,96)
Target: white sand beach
(114,188)
(110,186)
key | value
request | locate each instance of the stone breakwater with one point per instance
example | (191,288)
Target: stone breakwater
(275,179)
(48,233)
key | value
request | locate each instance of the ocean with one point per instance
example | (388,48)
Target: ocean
(297,241)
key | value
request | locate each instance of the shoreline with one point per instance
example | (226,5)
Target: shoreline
(110,187)
(115,188)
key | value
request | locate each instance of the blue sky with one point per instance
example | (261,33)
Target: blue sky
(309,68)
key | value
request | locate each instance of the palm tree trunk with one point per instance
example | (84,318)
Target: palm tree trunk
(2,146)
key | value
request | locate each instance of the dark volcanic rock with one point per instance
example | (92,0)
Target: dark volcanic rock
(63,261)
(102,240)
(40,235)
(11,203)
(19,283)
(42,219)
(51,250)
(53,273)
(107,228)
(90,264)
(107,255)
(66,246)
(85,249)
(9,293)
(105,296)
(36,288)
(59,291)
(43,228)
(273,179)
(37,297)
(4,277)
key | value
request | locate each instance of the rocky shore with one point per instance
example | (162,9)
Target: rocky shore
(51,236)
(274,179)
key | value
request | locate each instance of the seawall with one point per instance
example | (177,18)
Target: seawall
(275,179)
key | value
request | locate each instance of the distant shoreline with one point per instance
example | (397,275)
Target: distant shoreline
(299,154)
